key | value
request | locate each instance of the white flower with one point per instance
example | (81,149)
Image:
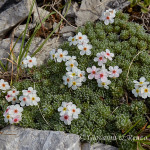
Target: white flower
(73,73)
(68,111)
(75,111)
(61,55)
(64,108)
(71,64)
(93,72)
(15,110)
(112,12)
(72,40)
(34,99)
(107,17)
(8,118)
(31,61)
(16,119)
(53,54)
(24,63)
(102,74)
(4,85)
(15,100)
(25,100)
(114,72)
(141,82)
(108,55)
(100,58)
(13,92)
(67,80)
(70,58)
(8,97)
(29,91)
(136,91)
(85,49)
(103,84)
(81,75)
(13,114)
(145,92)
(81,38)
(76,82)
(67,118)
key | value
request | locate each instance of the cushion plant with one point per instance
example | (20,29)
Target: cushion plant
(104,112)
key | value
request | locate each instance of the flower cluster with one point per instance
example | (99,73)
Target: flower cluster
(82,42)
(29,62)
(29,97)
(4,86)
(102,74)
(74,76)
(142,88)
(12,96)
(108,16)
(68,112)
(13,114)
(59,55)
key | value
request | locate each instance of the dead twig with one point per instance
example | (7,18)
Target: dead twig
(52,6)
(132,63)
(126,96)
(42,115)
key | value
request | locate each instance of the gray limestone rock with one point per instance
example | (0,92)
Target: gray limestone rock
(19,30)
(41,56)
(90,10)
(38,17)
(97,146)
(11,16)
(16,138)
(72,10)
(2,2)
(118,4)
(67,31)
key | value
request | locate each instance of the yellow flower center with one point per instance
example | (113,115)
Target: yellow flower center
(137,90)
(3,85)
(14,99)
(61,55)
(73,39)
(103,83)
(53,55)
(141,82)
(84,48)
(33,98)
(64,109)
(71,65)
(8,116)
(74,83)
(146,90)
(73,74)
(73,110)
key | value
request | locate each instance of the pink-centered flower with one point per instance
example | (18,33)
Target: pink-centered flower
(102,75)
(93,72)
(114,72)
(100,58)
(67,118)
(108,54)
